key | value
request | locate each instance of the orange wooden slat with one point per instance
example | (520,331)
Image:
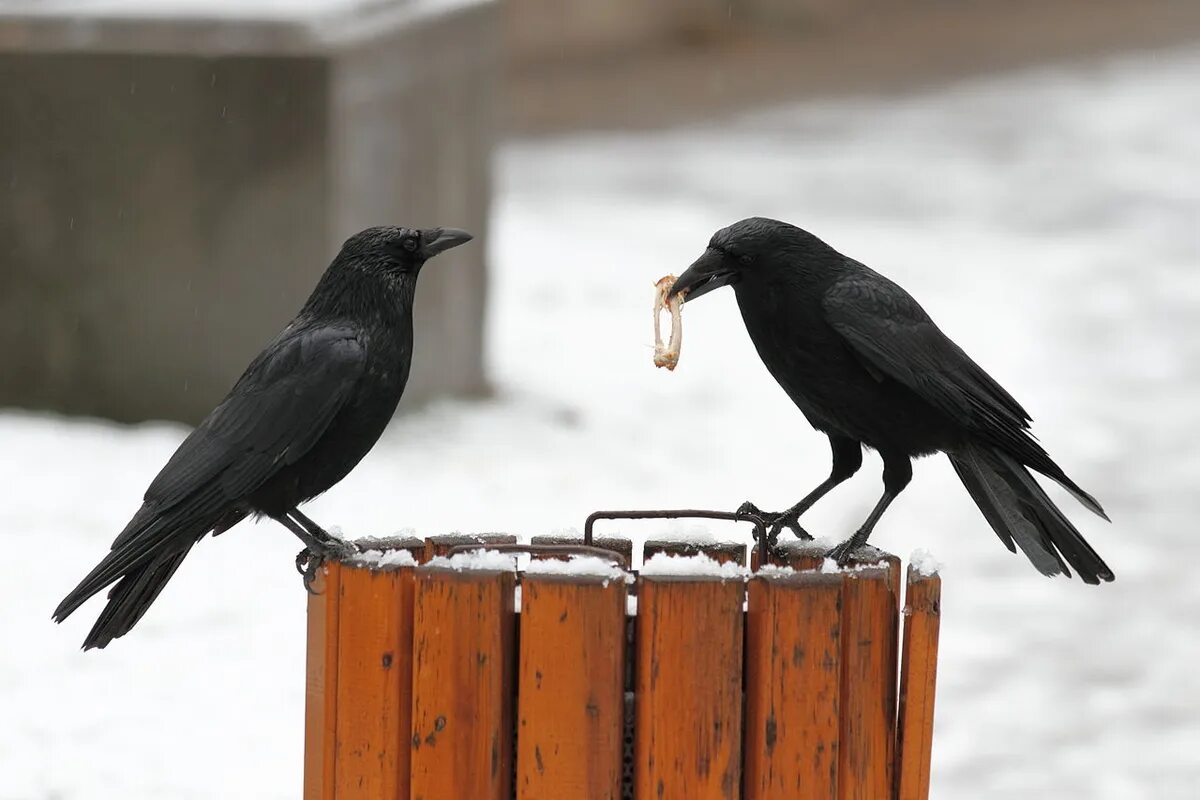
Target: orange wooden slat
(441,544)
(463,682)
(320,701)
(721,552)
(374,668)
(868,685)
(793,677)
(571,695)
(688,689)
(918,681)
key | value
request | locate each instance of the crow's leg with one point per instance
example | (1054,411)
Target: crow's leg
(319,545)
(897,472)
(847,458)
(315,531)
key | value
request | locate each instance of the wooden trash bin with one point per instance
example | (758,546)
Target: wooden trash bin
(464,677)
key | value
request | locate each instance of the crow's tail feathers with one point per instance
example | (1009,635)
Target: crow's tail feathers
(1023,515)
(130,597)
(143,559)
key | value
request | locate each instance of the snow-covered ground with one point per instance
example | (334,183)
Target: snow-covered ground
(1050,221)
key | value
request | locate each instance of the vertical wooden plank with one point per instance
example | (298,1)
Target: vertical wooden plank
(571,696)
(721,552)
(689,688)
(868,684)
(320,696)
(374,667)
(441,545)
(918,681)
(463,681)
(793,676)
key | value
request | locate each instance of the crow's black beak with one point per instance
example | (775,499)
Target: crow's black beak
(709,272)
(440,239)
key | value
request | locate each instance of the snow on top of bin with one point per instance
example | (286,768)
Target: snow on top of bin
(691,532)
(382,559)
(580,566)
(483,560)
(924,563)
(697,566)
(775,570)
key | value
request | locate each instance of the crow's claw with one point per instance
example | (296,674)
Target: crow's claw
(776,522)
(843,553)
(310,573)
(310,559)
(751,510)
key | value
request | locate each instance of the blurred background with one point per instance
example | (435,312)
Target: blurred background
(175,174)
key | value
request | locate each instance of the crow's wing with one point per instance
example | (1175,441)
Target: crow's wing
(278,409)
(893,336)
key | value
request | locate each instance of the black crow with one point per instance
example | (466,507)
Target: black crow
(303,414)
(867,366)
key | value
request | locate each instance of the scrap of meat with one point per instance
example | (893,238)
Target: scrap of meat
(667,355)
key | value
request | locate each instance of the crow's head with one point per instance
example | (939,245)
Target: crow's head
(744,249)
(398,251)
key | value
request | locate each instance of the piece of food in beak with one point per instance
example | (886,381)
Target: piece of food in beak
(668,355)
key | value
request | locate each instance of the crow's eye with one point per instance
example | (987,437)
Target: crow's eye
(410,243)
(744,258)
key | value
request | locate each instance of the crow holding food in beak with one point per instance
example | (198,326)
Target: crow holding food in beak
(867,366)
(303,414)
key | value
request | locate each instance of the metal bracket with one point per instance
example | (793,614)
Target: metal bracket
(545,550)
(760,526)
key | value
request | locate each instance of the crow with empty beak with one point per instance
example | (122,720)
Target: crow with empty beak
(867,366)
(303,414)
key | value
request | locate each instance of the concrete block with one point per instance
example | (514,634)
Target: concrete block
(172,186)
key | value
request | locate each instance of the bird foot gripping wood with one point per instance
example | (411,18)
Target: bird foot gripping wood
(845,552)
(310,560)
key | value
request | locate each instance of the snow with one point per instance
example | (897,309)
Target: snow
(924,563)
(775,571)
(383,559)
(482,560)
(662,565)
(579,566)
(1047,220)
(676,530)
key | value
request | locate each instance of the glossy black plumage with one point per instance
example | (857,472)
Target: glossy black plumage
(303,414)
(867,366)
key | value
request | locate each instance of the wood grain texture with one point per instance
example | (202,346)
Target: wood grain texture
(688,689)
(374,668)
(793,677)
(918,683)
(870,619)
(463,685)
(320,696)
(571,699)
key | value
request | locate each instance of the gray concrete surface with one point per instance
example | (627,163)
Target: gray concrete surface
(167,200)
